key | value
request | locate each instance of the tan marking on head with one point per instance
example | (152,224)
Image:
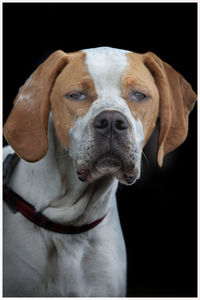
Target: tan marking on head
(26,126)
(137,77)
(74,78)
(129,81)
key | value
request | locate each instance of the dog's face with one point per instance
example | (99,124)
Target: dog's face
(105,103)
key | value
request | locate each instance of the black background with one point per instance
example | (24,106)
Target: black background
(159,213)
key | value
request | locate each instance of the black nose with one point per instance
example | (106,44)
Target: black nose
(108,122)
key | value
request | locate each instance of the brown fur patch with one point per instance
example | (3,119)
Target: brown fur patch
(74,78)
(138,78)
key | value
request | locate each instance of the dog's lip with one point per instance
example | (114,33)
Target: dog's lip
(129,179)
(83,174)
(108,157)
(108,160)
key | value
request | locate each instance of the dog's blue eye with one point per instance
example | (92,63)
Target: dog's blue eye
(137,96)
(77,96)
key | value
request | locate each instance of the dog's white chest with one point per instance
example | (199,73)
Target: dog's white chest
(89,269)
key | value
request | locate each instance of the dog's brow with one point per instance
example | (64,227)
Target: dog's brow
(130,80)
(86,80)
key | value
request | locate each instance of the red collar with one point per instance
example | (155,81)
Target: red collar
(27,210)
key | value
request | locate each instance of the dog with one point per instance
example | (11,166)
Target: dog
(78,127)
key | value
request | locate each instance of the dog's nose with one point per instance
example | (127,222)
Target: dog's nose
(108,122)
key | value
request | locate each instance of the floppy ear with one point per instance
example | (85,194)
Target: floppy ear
(26,127)
(177,99)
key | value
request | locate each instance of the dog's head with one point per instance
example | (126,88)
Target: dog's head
(105,104)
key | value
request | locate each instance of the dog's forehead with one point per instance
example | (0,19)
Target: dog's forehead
(106,66)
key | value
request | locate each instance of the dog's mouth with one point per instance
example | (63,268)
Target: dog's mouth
(108,163)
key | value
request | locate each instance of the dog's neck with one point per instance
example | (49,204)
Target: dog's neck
(57,192)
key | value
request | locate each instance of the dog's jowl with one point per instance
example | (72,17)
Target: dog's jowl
(77,128)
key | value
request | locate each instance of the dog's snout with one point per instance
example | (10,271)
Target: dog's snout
(110,121)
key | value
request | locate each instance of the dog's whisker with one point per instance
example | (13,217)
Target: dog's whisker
(146,159)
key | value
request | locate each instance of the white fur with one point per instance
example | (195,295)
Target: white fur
(38,262)
(43,263)
(106,66)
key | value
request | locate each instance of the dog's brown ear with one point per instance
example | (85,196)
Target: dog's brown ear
(177,99)
(26,127)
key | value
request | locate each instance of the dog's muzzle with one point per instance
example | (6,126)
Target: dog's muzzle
(113,150)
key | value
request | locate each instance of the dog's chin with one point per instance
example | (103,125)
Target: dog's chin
(109,164)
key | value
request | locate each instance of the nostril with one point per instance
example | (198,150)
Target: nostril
(101,124)
(121,125)
(110,122)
